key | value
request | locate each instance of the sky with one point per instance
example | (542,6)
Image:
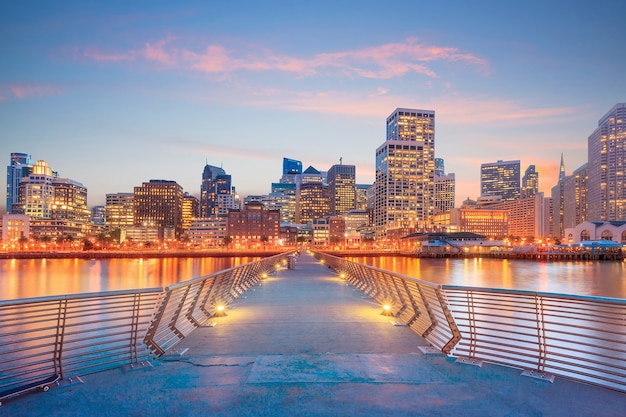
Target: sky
(112,94)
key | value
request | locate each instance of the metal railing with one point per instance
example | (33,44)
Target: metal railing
(49,338)
(72,335)
(419,304)
(577,337)
(189,304)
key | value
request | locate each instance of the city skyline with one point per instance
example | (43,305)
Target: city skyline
(114,96)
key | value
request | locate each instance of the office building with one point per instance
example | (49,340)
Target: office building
(500,178)
(36,193)
(445,193)
(440,166)
(405,171)
(558,203)
(69,201)
(606,199)
(215,183)
(20,166)
(311,196)
(159,203)
(119,211)
(191,208)
(291,168)
(207,232)
(528,217)
(341,188)
(283,198)
(253,226)
(575,198)
(530,182)
(98,215)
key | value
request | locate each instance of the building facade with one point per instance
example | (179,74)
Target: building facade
(253,226)
(528,217)
(444,192)
(500,178)
(21,166)
(159,203)
(606,168)
(405,172)
(119,211)
(342,188)
(215,182)
(311,196)
(530,182)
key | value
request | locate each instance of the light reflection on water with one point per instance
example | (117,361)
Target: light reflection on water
(604,279)
(26,278)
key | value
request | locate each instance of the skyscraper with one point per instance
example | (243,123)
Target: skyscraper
(36,192)
(215,182)
(119,211)
(530,182)
(20,166)
(160,203)
(311,196)
(607,167)
(500,178)
(342,188)
(445,192)
(405,165)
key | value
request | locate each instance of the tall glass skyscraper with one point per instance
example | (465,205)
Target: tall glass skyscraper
(607,167)
(405,170)
(21,166)
(530,182)
(500,178)
(291,168)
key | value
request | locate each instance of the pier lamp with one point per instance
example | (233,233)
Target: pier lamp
(220,311)
(264,275)
(387,310)
(343,275)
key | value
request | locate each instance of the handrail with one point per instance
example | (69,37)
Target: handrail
(187,305)
(419,304)
(61,337)
(573,336)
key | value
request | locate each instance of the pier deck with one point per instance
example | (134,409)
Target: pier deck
(304,343)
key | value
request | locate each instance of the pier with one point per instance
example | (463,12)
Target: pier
(305,342)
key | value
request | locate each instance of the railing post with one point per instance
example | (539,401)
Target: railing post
(456,334)
(541,334)
(60,335)
(134,329)
(154,326)
(176,315)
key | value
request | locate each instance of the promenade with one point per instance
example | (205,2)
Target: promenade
(304,343)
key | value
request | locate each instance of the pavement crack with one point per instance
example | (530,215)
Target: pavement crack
(211,365)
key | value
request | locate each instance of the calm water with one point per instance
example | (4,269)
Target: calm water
(25,278)
(604,279)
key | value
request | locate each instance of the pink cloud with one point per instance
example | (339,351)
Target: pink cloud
(23,91)
(382,61)
(157,52)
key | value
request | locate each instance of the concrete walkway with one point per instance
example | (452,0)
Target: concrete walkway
(306,344)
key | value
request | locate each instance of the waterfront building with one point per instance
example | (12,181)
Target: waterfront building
(311,196)
(69,201)
(191,209)
(575,198)
(253,226)
(14,228)
(119,212)
(207,232)
(329,231)
(21,166)
(36,193)
(606,198)
(159,203)
(215,183)
(357,224)
(530,182)
(405,165)
(341,188)
(493,223)
(98,215)
(500,178)
(597,230)
(528,217)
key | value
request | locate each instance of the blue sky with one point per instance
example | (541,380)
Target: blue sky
(112,95)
